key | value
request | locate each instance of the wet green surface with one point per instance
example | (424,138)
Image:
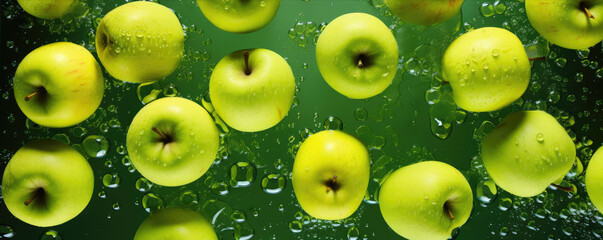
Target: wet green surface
(413,120)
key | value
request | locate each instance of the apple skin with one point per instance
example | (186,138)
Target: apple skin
(321,158)
(422,12)
(348,39)
(413,200)
(239,16)
(140,42)
(565,22)
(487,68)
(46,9)
(72,83)
(189,154)
(519,162)
(175,224)
(61,171)
(254,102)
(594,179)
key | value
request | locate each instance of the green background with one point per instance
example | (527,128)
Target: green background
(399,126)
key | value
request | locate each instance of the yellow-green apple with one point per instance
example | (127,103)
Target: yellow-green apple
(46,9)
(573,24)
(330,174)
(239,16)
(487,69)
(172,141)
(527,152)
(424,12)
(175,224)
(357,55)
(426,200)
(252,90)
(58,85)
(140,42)
(47,183)
(594,179)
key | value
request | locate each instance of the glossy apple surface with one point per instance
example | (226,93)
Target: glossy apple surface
(172,141)
(573,24)
(422,12)
(58,85)
(140,42)
(594,179)
(487,68)
(426,200)
(357,55)
(527,152)
(47,183)
(175,224)
(330,174)
(46,9)
(254,96)
(239,16)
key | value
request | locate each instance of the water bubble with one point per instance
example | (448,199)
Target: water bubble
(151,203)
(238,216)
(219,188)
(188,198)
(111,180)
(51,235)
(486,191)
(102,194)
(361,114)
(95,146)
(486,9)
(78,131)
(561,62)
(353,233)
(116,206)
(295,226)
(143,184)
(505,204)
(242,174)
(61,137)
(500,7)
(273,183)
(6,231)
(170,90)
(333,123)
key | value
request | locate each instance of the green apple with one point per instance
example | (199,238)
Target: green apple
(573,24)
(357,55)
(47,183)
(487,69)
(172,141)
(331,174)
(46,9)
(175,224)
(527,152)
(422,12)
(239,16)
(58,85)
(252,90)
(594,179)
(140,42)
(425,200)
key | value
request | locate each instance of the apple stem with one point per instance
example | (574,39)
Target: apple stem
(164,138)
(537,58)
(31,95)
(360,64)
(590,15)
(565,189)
(247,69)
(36,195)
(450,214)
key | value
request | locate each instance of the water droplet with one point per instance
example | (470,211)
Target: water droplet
(333,123)
(295,226)
(6,231)
(486,9)
(219,188)
(486,191)
(151,203)
(540,137)
(111,180)
(273,183)
(242,174)
(505,204)
(143,184)
(116,206)
(51,235)
(170,90)
(353,233)
(188,198)
(238,216)
(361,114)
(95,146)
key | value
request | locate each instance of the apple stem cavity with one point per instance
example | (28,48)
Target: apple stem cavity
(246,57)
(164,138)
(447,210)
(584,6)
(33,94)
(38,193)
(332,184)
(565,189)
